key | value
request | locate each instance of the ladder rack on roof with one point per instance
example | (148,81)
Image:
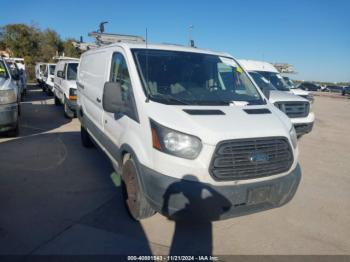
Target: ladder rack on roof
(106,39)
(58,58)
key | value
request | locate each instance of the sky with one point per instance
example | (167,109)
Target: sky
(312,35)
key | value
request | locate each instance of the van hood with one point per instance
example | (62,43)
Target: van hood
(299,92)
(281,96)
(232,123)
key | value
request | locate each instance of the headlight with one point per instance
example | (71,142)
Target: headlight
(293,137)
(8,96)
(72,94)
(175,143)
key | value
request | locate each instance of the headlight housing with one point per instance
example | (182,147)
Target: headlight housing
(293,137)
(174,142)
(8,96)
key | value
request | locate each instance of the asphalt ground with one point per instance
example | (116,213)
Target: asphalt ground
(57,197)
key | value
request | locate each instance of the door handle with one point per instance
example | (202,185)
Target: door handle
(98,100)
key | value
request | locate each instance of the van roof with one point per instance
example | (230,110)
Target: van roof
(253,65)
(170,47)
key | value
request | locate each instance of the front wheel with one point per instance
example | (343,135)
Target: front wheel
(135,200)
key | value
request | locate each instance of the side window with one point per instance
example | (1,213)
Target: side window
(120,74)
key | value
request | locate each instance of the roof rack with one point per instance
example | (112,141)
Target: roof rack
(106,38)
(58,58)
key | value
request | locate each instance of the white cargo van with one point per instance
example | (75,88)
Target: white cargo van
(9,100)
(188,130)
(295,107)
(268,71)
(48,78)
(65,87)
(39,72)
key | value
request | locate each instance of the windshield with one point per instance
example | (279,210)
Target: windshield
(3,70)
(72,71)
(194,79)
(52,69)
(275,79)
(261,81)
(289,82)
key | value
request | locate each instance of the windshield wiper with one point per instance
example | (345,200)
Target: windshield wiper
(169,98)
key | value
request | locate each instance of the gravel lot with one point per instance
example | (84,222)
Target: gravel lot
(57,197)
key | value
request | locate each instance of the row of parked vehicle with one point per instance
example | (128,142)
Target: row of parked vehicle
(309,86)
(59,80)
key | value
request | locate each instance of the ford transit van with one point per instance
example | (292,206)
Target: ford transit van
(9,100)
(268,71)
(295,107)
(65,87)
(188,131)
(299,110)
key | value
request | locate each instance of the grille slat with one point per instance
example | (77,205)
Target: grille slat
(251,158)
(294,109)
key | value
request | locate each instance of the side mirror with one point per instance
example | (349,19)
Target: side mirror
(112,100)
(15,74)
(266,93)
(60,74)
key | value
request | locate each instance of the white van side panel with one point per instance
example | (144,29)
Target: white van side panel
(92,75)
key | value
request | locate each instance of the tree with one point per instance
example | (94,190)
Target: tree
(70,50)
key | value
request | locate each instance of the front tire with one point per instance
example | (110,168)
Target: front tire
(135,201)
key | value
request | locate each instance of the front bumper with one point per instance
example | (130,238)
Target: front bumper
(72,104)
(8,117)
(303,129)
(303,125)
(185,199)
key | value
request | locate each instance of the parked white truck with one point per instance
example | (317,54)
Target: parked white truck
(65,87)
(297,108)
(188,130)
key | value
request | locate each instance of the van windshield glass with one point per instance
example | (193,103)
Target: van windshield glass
(72,71)
(3,70)
(289,82)
(276,79)
(262,82)
(175,77)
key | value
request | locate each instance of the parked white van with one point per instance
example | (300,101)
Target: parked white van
(48,78)
(295,107)
(39,72)
(188,130)
(9,100)
(268,71)
(65,87)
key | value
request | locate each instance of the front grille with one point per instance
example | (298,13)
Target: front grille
(251,158)
(294,109)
